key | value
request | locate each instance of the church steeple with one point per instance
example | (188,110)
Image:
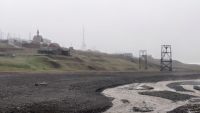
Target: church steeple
(38,32)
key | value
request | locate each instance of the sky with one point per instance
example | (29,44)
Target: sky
(113,26)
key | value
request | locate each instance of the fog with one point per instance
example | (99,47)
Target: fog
(113,26)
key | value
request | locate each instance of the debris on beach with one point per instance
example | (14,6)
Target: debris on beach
(125,101)
(142,109)
(144,87)
(41,84)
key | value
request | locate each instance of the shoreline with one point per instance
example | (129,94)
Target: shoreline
(58,96)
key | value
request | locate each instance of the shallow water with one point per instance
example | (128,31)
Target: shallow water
(126,97)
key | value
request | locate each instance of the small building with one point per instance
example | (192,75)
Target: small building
(55,49)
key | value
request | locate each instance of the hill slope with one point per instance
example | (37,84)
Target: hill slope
(79,61)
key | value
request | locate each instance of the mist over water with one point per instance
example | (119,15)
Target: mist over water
(110,25)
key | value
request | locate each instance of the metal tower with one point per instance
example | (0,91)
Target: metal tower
(143,59)
(166,58)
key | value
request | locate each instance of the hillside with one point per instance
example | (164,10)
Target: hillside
(29,60)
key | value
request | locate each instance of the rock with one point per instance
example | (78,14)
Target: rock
(142,109)
(196,87)
(18,108)
(194,100)
(147,87)
(41,84)
(125,101)
(144,87)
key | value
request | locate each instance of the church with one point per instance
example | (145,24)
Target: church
(37,39)
(37,42)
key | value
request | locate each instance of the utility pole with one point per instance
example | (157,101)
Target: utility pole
(143,59)
(166,58)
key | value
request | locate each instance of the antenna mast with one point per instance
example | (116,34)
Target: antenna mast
(83,41)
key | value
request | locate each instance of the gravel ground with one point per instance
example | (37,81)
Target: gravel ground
(191,108)
(168,95)
(177,86)
(69,92)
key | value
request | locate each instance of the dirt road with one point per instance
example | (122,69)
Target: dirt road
(69,92)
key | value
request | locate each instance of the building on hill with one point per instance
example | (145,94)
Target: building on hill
(55,49)
(37,39)
(37,42)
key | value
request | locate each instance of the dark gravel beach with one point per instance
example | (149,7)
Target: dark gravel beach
(168,95)
(177,85)
(69,92)
(195,108)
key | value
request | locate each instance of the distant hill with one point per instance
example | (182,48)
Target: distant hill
(177,65)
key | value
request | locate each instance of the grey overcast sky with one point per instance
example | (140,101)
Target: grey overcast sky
(111,25)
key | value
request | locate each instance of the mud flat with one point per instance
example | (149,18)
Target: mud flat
(159,97)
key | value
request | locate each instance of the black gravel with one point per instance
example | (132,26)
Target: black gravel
(177,85)
(196,88)
(190,108)
(69,92)
(168,95)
